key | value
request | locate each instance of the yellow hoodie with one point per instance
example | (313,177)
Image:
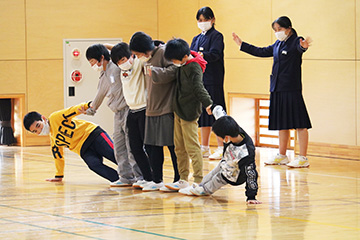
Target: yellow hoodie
(68,131)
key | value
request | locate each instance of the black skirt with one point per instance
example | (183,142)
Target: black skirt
(216,93)
(288,111)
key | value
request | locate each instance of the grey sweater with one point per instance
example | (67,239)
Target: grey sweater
(110,86)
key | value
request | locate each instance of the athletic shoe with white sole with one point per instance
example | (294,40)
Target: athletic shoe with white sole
(152,186)
(187,190)
(217,155)
(205,151)
(299,162)
(119,183)
(165,189)
(278,159)
(199,191)
(139,183)
(177,185)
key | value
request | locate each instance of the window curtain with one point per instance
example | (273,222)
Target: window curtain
(6,131)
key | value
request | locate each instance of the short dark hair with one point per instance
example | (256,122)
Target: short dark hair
(30,118)
(119,51)
(158,42)
(283,21)
(96,51)
(206,12)
(141,42)
(226,126)
(176,48)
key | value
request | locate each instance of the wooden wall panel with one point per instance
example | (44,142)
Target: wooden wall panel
(46,86)
(12,34)
(49,22)
(329,92)
(178,19)
(331,24)
(13,77)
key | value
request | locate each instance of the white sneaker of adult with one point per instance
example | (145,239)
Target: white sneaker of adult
(299,162)
(278,159)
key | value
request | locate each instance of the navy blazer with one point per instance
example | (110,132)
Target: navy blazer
(286,70)
(212,46)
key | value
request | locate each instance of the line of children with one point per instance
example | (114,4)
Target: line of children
(181,107)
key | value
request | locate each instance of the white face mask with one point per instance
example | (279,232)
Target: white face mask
(204,26)
(281,36)
(126,65)
(144,59)
(97,68)
(46,129)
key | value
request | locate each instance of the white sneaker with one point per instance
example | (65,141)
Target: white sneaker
(187,190)
(139,183)
(119,183)
(177,185)
(205,151)
(152,186)
(199,191)
(165,189)
(299,162)
(278,159)
(217,155)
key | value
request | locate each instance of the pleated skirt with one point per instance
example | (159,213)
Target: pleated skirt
(288,111)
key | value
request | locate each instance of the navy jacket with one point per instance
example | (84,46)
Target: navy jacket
(212,46)
(286,70)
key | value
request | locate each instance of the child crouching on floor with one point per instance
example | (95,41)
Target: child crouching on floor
(237,165)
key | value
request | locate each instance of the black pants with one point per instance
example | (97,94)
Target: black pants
(156,157)
(102,146)
(136,127)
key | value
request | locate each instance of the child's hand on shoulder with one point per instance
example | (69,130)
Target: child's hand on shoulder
(253,202)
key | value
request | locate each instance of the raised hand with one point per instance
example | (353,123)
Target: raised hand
(305,43)
(236,39)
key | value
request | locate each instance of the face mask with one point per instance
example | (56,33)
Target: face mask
(97,68)
(144,59)
(46,129)
(281,36)
(126,65)
(204,26)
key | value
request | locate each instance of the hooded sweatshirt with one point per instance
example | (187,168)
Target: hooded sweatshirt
(199,59)
(190,93)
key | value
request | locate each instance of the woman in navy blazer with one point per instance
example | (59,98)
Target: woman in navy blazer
(210,44)
(287,106)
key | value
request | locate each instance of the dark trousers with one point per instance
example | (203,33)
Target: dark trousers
(102,146)
(156,157)
(136,130)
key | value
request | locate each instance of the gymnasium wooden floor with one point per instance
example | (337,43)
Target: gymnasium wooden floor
(321,202)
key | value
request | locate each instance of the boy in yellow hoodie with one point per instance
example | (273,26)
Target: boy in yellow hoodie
(85,138)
